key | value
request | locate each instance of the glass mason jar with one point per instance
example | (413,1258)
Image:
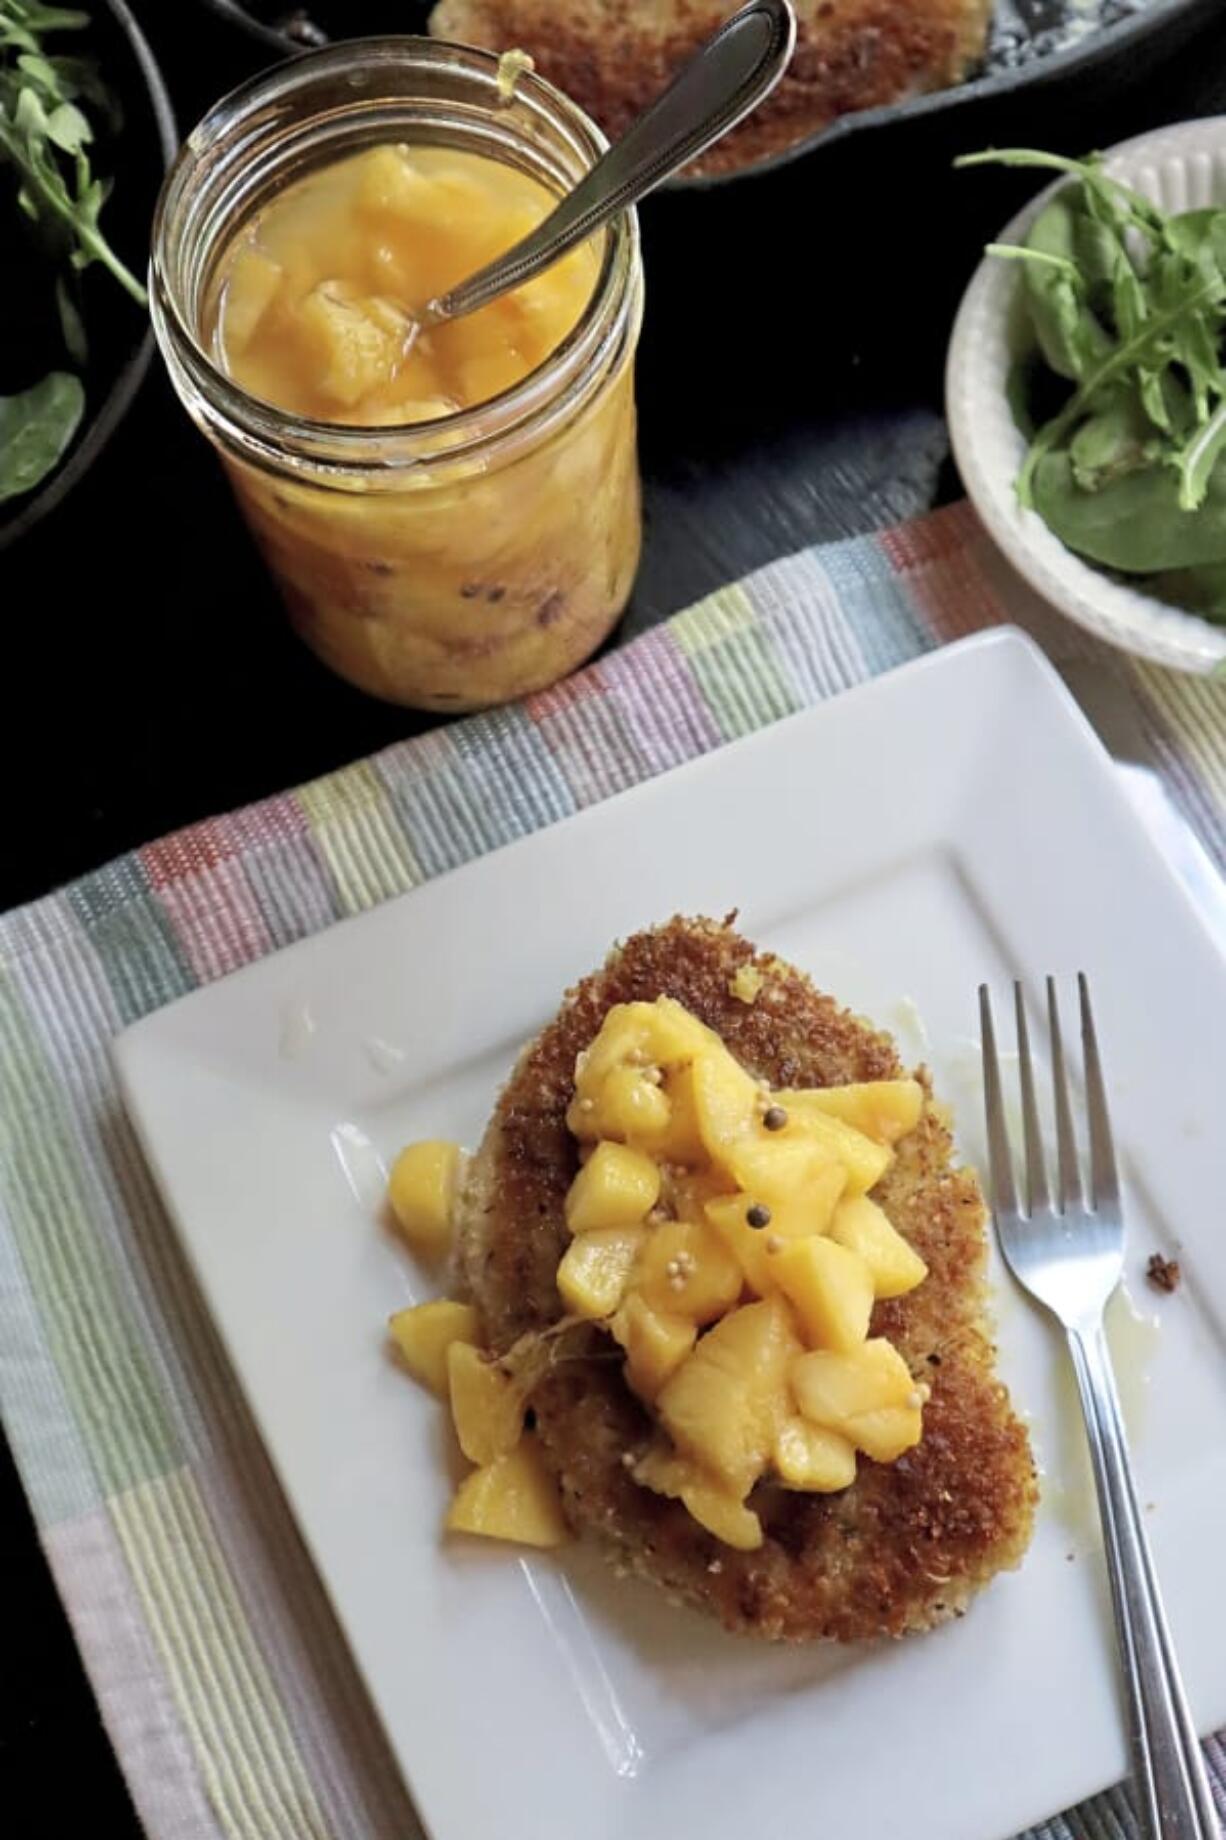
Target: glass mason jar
(449,564)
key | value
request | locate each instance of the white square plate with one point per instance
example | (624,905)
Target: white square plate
(953,821)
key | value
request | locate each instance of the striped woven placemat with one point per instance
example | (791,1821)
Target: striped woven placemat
(222,1678)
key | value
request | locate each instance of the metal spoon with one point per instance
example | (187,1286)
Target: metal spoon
(722,83)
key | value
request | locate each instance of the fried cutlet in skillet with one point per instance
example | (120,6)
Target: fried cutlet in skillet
(908,1544)
(614,56)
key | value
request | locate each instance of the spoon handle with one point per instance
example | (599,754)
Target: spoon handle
(731,74)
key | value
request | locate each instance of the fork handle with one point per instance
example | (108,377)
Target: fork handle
(1168,1768)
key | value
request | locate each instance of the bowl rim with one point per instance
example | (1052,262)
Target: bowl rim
(1110,608)
(131,373)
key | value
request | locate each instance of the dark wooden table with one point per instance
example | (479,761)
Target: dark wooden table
(790,392)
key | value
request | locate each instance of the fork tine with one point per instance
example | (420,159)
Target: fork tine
(1104,1182)
(1066,1141)
(1000,1159)
(1037,1195)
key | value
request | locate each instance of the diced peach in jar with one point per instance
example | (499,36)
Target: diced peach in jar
(353,352)
(544,303)
(595,1269)
(251,288)
(490,373)
(617,1187)
(391,185)
(389,270)
(356,249)
(476,335)
(866,1229)
(512,1498)
(388,317)
(424,1333)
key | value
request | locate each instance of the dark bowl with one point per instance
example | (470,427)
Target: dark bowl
(121,341)
(1032,43)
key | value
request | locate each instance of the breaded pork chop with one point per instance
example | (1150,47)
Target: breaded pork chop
(614,56)
(909,1542)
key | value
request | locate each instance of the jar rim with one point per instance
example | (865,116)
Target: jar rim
(278,439)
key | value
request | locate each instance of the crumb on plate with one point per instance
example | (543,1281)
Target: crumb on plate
(1163,1273)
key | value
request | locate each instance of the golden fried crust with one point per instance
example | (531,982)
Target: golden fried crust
(908,1543)
(614,56)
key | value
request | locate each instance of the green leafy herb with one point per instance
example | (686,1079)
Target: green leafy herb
(1132,522)
(35,429)
(1127,305)
(1102,193)
(1198,457)
(1134,354)
(45,137)
(1119,439)
(1021,252)
(1065,324)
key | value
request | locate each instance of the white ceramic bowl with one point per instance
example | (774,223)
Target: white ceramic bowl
(1181,168)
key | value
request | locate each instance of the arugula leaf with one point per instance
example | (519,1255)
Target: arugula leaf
(44,136)
(1188,231)
(1129,353)
(1117,201)
(1128,304)
(1117,440)
(35,430)
(68,128)
(1197,459)
(1021,252)
(1132,523)
(1070,336)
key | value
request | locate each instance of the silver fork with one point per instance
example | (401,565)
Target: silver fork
(1067,1250)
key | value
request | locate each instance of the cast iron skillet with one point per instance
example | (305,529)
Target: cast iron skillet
(1032,42)
(121,341)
